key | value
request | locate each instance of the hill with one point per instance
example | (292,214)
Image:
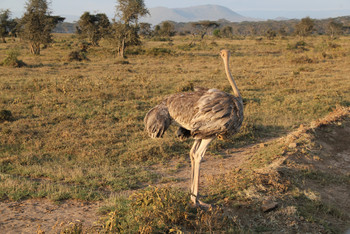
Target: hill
(195,13)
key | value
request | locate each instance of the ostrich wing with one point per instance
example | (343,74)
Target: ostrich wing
(218,113)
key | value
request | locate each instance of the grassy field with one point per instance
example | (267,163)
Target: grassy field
(77,127)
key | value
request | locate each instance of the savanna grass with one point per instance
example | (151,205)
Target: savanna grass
(81,123)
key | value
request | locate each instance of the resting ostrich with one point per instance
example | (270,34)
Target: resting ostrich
(203,114)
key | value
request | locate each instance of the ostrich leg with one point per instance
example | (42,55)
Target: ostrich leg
(197,153)
(194,149)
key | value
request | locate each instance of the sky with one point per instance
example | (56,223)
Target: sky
(265,9)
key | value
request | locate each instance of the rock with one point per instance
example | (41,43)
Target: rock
(292,145)
(268,205)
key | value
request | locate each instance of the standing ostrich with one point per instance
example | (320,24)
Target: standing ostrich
(203,114)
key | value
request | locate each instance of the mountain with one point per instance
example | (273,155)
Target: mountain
(195,13)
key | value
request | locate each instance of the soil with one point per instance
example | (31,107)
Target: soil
(31,216)
(42,215)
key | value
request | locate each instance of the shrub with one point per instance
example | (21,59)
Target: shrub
(163,210)
(158,51)
(299,45)
(302,59)
(77,55)
(12,59)
(5,115)
(152,210)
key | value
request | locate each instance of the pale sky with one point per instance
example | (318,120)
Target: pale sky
(251,8)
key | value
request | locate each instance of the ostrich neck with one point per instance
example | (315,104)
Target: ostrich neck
(231,80)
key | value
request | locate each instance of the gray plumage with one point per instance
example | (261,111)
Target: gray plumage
(203,114)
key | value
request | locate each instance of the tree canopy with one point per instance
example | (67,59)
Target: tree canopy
(125,30)
(93,27)
(37,24)
(7,25)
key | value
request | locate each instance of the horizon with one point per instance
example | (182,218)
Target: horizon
(296,9)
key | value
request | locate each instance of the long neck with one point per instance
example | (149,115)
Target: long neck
(236,92)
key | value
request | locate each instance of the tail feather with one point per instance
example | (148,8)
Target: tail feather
(157,121)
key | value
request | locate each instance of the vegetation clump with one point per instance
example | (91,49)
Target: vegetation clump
(299,45)
(12,59)
(5,115)
(77,55)
(162,210)
(159,51)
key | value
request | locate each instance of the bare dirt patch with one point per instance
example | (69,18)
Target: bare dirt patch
(30,216)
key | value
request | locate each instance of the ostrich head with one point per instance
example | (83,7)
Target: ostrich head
(225,54)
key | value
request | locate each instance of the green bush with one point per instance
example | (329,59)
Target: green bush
(12,59)
(5,115)
(163,210)
(158,51)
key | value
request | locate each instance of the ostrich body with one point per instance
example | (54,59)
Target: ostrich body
(203,114)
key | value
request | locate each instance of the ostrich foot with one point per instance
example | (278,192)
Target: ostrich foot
(204,205)
(196,202)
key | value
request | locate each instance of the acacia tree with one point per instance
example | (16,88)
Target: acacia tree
(7,25)
(334,28)
(145,29)
(37,24)
(202,27)
(93,27)
(125,30)
(166,28)
(304,27)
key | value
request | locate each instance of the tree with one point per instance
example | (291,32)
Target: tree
(334,28)
(202,27)
(37,24)
(304,27)
(227,32)
(145,29)
(7,25)
(125,30)
(93,27)
(166,29)
(271,34)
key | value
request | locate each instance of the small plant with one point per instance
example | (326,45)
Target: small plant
(149,211)
(77,55)
(5,115)
(162,210)
(299,45)
(302,60)
(12,59)
(158,51)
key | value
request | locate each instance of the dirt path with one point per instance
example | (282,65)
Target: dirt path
(29,216)
(211,166)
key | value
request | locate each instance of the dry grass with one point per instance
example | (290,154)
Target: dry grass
(77,127)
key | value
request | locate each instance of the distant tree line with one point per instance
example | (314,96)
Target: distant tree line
(37,24)
(225,29)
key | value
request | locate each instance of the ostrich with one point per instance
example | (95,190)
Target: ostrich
(203,114)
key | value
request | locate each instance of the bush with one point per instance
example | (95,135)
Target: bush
(12,59)
(5,115)
(77,55)
(163,210)
(158,51)
(302,60)
(300,45)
